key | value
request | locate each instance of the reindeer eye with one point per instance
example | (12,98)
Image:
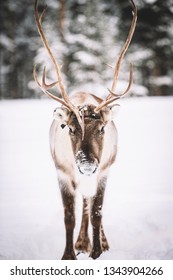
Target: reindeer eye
(71,131)
(102,130)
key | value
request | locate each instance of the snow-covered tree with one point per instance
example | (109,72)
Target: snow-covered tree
(18,46)
(84,35)
(152,45)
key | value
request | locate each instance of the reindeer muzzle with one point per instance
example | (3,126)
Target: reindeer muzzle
(86,166)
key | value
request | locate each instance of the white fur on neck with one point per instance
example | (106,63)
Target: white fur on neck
(87,185)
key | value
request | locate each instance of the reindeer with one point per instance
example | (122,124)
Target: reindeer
(83,143)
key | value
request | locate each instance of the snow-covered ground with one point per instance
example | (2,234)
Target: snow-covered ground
(138,207)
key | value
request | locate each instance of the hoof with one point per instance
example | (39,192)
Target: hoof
(83,245)
(69,256)
(95,253)
(105,245)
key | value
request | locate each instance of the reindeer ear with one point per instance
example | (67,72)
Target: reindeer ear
(106,114)
(114,109)
(61,114)
(109,112)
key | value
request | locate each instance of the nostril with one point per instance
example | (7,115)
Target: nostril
(81,157)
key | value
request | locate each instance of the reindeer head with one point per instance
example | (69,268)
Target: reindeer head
(88,145)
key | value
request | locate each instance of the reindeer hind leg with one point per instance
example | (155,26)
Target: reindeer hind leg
(104,242)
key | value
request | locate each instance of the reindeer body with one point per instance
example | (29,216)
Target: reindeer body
(90,184)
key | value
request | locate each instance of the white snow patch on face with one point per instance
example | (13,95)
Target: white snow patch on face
(85,167)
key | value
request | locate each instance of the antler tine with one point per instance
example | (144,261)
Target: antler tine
(43,88)
(36,77)
(42,14)
(105,103)
(116,96)
(128,87)
(46,86)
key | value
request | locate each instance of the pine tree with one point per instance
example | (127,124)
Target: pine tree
(152,44)
(17,48)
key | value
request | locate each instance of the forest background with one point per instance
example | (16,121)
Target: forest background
(86,35)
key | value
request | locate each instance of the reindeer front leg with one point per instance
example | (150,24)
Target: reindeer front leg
(83,242)
(69,219)
(96,220)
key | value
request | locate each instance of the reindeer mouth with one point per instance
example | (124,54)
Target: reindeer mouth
(87,170)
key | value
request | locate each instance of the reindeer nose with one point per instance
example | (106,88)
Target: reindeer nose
(86,166)
(87,169)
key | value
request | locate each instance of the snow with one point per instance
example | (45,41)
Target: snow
(7,43)
(138,206)
(150,1)
(86,58)
(140,54)
(80,39)
(162,80)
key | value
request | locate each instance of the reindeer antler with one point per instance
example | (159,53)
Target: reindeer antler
(44,87)
(112,96)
